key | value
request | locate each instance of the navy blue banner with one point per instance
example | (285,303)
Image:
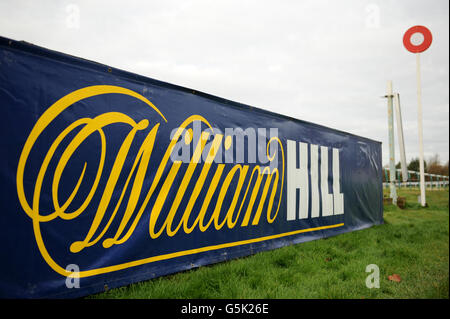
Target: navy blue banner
(109,178)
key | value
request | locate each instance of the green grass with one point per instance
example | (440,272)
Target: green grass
(413,243)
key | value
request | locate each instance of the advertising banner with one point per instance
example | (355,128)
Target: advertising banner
(109,178)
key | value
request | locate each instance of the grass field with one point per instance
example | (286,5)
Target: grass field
(413,243)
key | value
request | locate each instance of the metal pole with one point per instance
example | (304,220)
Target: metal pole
(419,120)
(401,142)
(392,170)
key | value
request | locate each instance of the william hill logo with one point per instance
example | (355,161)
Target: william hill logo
(237,184)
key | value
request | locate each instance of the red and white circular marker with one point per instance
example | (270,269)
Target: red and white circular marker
(413,32)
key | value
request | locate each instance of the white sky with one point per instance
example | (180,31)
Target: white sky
(321,61)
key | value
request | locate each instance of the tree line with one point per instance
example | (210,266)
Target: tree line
(432,166)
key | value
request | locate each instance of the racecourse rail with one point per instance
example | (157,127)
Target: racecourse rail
(432,181)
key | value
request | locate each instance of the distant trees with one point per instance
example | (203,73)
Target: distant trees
(414,165)
(435,167)
(432,166)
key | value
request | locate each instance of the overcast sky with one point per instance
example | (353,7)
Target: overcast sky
(325,62)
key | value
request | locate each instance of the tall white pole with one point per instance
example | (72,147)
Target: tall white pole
(419,120)
(392,172)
